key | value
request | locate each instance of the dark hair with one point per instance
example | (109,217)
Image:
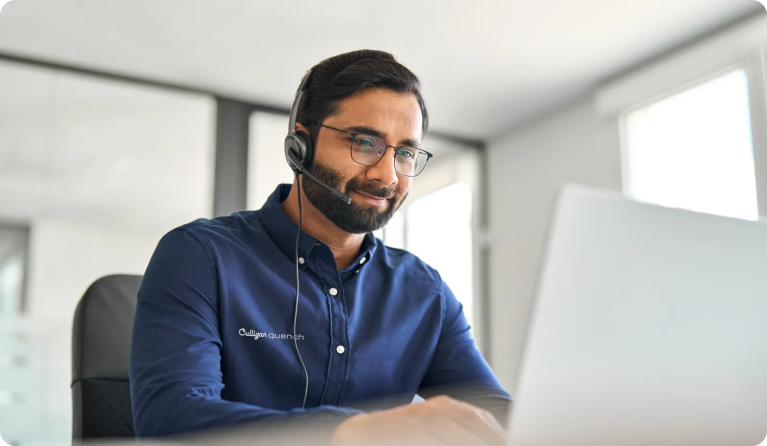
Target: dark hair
(339,77)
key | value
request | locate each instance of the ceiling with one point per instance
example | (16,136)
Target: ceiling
(486,66)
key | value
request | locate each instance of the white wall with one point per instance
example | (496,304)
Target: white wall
(525,170)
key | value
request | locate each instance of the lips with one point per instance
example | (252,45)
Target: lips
(375,197)
(372,200)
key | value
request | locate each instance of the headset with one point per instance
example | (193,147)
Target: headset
(299,153)
(299,150)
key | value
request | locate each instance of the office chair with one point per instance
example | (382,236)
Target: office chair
(101,336)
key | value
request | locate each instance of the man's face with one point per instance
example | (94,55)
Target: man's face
(376,191)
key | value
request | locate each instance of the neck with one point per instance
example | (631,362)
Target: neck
(344,245)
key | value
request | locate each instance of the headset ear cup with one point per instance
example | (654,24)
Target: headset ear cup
(293,151)
(308,158)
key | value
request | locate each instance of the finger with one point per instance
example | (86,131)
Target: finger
(491,420)
(424,439)
(420,437)
(480,423)
(449,432)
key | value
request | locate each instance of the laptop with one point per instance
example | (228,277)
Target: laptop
(649,328)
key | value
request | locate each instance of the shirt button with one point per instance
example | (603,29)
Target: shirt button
(357,272)
(340,349)
(362,260)
(301,260)
(333,292)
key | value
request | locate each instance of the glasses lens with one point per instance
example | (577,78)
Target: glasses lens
(367,149)
(410,161)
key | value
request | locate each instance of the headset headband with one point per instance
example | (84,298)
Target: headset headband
(297,103)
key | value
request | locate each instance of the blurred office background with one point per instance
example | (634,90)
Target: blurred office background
(122,120)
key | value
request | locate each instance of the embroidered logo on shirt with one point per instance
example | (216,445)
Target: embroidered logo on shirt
(256,334)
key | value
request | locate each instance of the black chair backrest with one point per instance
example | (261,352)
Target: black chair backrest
(101,337)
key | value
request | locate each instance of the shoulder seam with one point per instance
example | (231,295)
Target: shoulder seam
(213,260)
(204,245)
(438,283)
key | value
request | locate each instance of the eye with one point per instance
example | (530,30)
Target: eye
(367,142)
(406,154)
(364,143)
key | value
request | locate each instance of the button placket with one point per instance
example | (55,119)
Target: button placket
(340,358)
(332,285)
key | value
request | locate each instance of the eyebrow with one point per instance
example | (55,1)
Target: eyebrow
(373,132)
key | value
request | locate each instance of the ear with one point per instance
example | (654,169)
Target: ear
(301,127)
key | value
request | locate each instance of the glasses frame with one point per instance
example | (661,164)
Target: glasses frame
(351,148)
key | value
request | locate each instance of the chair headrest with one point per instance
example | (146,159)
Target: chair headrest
(103,324)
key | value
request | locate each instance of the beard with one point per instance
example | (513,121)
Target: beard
(351,217)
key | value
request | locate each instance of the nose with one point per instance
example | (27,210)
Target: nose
(384,170)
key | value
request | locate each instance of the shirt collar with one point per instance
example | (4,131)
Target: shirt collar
(282,230)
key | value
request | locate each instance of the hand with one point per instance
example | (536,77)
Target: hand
(437,421)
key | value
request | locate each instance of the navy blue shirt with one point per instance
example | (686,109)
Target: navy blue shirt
(212,338)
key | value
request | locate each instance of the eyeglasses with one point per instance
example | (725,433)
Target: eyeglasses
(368,151)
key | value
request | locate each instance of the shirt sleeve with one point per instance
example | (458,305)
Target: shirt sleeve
(457,368)
(175,359)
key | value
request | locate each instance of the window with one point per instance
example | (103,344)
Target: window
(267,167)
(99,170)
(13,260)
(693,150)
(439,231)
(394,233)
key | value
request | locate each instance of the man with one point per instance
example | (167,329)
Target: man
(214,343)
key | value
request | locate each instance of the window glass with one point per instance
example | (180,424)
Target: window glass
(694,150)
(13,255)
(439,231)
(267,167)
